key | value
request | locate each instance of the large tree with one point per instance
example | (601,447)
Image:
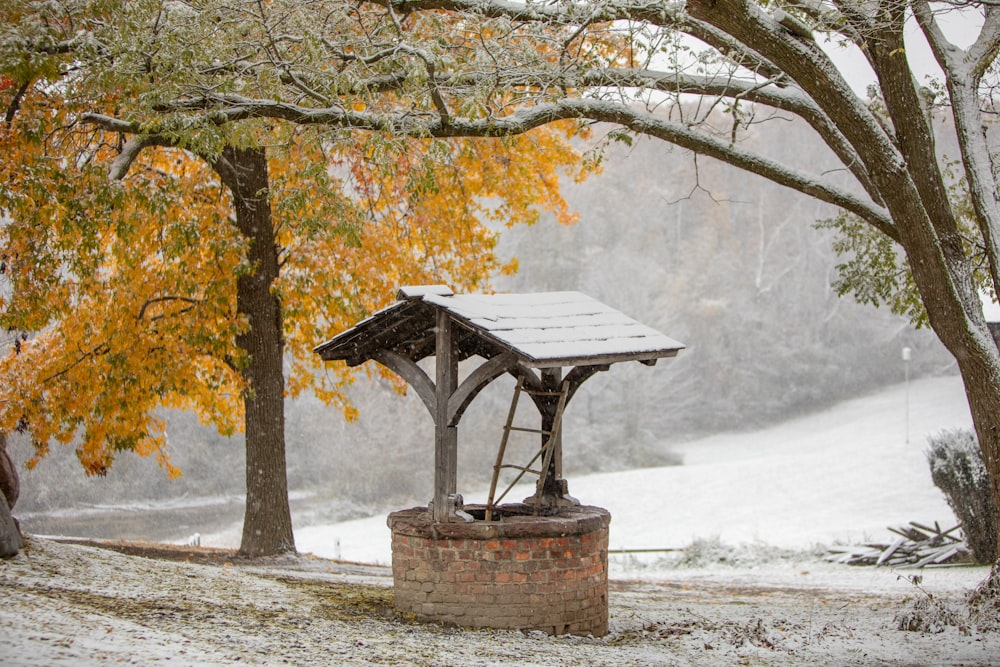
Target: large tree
(487,68)
(142,294)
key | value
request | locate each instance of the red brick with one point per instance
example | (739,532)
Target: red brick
(557,584)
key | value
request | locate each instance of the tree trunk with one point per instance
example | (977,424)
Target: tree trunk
(10,481)
(955,314)
(983,392)
(10,533)
(267,523)
(903,170)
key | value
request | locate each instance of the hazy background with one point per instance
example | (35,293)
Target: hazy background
(723,261)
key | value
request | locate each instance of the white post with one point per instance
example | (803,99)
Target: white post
(906,366)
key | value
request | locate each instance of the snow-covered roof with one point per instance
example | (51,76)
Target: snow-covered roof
(546,329)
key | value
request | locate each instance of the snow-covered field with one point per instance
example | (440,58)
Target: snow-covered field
(842,475)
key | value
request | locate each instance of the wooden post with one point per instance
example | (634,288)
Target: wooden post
(445,436)
(551,378)
(550,400)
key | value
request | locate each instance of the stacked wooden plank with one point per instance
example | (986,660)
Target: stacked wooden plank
(916,546)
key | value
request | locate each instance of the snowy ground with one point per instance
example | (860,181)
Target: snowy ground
(76,605)
(839,476)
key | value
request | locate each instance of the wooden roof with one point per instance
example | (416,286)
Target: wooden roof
(543,330)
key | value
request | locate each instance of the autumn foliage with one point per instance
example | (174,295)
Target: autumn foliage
(118,298)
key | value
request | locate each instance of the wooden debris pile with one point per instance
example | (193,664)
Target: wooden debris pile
(917,546)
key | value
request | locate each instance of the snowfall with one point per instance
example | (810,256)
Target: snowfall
(753,515)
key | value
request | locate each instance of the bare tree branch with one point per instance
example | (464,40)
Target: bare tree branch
(15,102)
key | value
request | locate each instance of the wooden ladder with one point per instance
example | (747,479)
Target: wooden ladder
(545,452)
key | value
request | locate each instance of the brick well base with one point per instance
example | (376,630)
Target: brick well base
(546,573)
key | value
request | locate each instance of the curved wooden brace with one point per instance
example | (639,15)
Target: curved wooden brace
(579,375)
(575,377)
(531,379)
(476,382)
(414,375)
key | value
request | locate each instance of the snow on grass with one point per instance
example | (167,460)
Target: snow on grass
(838,476)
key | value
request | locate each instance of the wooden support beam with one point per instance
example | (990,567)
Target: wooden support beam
(551,379)
(445,435)
(581,374)
(414,375)
(476,382)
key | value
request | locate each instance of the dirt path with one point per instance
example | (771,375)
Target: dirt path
(71,604)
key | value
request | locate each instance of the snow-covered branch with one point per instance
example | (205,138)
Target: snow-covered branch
(230,108)
(964,68)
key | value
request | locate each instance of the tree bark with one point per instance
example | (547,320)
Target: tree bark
(10,533)
(267,523)
(10,481)
(10,537)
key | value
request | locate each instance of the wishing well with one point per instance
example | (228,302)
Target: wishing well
(537,564)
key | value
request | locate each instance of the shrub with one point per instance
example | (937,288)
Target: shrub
(957,469)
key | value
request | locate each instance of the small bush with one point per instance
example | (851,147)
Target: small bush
(957,469)
(711,552)
(984,603)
